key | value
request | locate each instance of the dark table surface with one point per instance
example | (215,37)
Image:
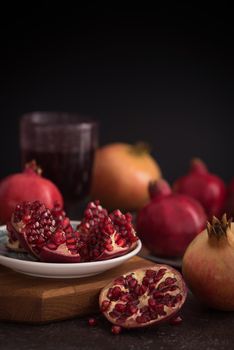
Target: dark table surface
(201,329)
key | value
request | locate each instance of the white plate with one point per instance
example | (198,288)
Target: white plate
(177,262)
(26,264)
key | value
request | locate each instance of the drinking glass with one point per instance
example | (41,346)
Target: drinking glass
(63,145)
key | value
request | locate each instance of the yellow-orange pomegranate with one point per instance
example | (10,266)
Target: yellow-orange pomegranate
(208,265)
(121,175)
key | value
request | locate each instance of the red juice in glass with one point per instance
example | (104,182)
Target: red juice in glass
(63,145)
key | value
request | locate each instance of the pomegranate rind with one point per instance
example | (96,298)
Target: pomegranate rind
(167,312)
(60,255)
(13,243)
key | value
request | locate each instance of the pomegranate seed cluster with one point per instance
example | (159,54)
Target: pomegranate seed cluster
(106,235)
(143,297)
(49,235)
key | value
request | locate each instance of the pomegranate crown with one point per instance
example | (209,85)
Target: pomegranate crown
(32,167)
(198,166)
(218,228)
(159,188)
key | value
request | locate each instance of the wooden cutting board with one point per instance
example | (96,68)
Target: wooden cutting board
(40,300)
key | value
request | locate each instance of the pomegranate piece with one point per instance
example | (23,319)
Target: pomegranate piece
(13,243)
(116,329)
(106,236)
(46,234)
(143,297)
(176,320)
(92,322)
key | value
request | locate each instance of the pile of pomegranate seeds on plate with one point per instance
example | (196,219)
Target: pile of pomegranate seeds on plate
(49,236)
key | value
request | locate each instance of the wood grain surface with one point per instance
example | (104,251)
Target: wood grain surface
(40,300)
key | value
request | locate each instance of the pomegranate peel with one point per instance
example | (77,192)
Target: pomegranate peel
(143,297)
(208,265)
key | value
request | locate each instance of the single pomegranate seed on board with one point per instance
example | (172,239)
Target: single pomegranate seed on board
(92,321)
(116,329)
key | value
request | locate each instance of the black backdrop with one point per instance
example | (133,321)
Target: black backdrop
(163,76)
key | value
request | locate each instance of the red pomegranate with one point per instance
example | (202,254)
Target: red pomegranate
(230,199)
(143,297)
(207,188)
(208,265)
(26,186)
(170,221)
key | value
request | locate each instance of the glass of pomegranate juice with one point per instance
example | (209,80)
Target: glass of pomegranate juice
(63,145)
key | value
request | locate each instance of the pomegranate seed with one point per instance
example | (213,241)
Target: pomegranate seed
(132,283)
(150,273)
(109,248)
(120,307)
(92,322)
(141,319)
(152,303)
(142,290)
(116,292)
(26,218)
(133,309)
(121,242)
(51,246)
(175,320)
(116,329)
(145,281)
(170,280)
(119,280)
(125,297)
(105,305)
(128,217)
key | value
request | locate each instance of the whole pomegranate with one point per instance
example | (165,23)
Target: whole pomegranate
(170,221)
(207,188)
(26,186)
(208,265)
(143,297)
(121,175)
(230,199)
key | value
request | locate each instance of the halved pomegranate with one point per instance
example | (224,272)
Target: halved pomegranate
(107,236)
(45,233)
(143,297)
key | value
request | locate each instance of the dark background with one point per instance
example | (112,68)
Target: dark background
(164,76)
